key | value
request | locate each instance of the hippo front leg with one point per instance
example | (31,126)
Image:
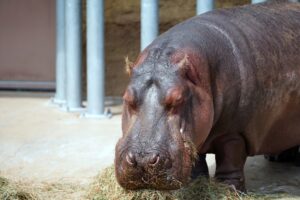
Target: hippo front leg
(231,156)
(200,168)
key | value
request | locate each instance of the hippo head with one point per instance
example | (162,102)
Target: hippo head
(167,116)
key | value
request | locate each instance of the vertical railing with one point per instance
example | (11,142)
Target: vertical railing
(60,94)
(149,22)
(73,55)
(257,1)
(204,6)
(95,59)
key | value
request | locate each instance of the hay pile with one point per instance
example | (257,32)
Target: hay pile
(12,190)
(15,191)
(106,187)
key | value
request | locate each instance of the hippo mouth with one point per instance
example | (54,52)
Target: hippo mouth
(140,178)
(170,174)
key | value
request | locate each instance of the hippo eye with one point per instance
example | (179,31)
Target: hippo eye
(174,98)
(129,98)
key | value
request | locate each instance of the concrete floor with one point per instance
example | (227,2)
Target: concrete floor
(39,142)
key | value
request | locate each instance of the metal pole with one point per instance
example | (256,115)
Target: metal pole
(204,6)
(73,54)
(60,95)
(149,22)
(95,59)
(257,1)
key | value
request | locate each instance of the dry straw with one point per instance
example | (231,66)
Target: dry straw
(15,191)
(106,187)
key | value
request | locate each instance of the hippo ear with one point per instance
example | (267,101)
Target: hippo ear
(183,63)
(128,65)
(187,70)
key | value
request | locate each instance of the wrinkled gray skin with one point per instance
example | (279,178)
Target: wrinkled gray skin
(226,82)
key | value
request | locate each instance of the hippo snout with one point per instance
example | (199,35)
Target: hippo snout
(137,167)
(137,170)
(151,160)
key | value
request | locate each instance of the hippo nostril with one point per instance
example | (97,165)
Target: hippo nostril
(168,163)
(154,159)
(130,158)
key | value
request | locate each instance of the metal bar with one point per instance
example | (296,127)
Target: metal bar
(60,94)
(204,6)
(42,85)
(257,1)
(73,54)
(95,59)
(149,22)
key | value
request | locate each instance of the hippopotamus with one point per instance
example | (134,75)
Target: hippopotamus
(225,82)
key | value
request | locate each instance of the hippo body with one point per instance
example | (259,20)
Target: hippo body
(233,78)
